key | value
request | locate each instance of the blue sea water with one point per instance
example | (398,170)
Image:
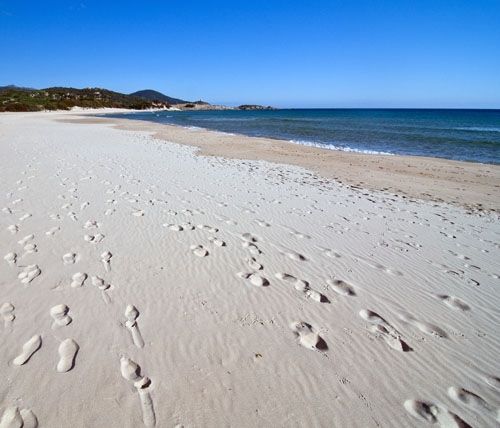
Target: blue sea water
(468,135)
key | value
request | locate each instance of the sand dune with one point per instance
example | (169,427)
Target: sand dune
(144,285)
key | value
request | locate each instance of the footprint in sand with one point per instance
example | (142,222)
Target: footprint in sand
(254,264)
(30,248)
(29,273)
(472,401)
(254,279)
(147,407)
(460,256)
(131,372)
(59,313)
(376,265)
(138,213)
(11,258)
(291,254)
(14,418)
(341,287)
(473,267)
(308,337)
(103,286)
(296,233)
(385,330)
(106,260)
(207,228)
(302,286)
(67,354)
(13,228)
(100,283)
(91,224)
(248,237)
(332,254)
(492,381)
(7,313)
(252,248)
(131,313)
(199,250)
(453,302)
(24,217)
(226,220)
(95,239)
(216,241)
(473,282)
(52,231)
(429,412)
(69,258)
(173,227)
(29,348)
(26,239)
(423,326)
(78,279)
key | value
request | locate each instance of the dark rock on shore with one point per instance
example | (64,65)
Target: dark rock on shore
(254,107)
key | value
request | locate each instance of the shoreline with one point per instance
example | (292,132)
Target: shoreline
(310,143)
(467,184)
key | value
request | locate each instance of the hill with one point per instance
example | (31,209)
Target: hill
(20,88)
(151,95)
(59,98)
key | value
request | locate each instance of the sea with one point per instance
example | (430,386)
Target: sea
(465,135)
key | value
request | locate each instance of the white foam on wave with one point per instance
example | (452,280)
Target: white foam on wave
(197,128)
(339,148)
(478,129)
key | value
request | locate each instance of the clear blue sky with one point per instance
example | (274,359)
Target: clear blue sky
(350,53)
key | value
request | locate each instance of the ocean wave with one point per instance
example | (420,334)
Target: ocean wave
(340,148)
(227,119)
(197,128)
(477,129)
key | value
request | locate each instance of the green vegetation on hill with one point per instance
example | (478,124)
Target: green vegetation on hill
(21,88)
(22,99)
(151,95)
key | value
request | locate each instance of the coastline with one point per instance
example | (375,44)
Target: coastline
(473,186)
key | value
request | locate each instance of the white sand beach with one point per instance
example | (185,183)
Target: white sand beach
(145,284)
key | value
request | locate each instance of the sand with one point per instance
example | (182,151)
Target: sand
(143,284)
(470,185)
